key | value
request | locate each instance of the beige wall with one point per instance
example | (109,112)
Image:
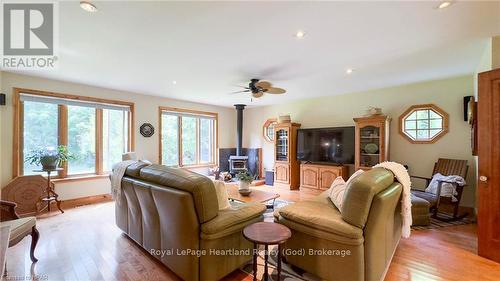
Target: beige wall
(146,110)
(495,60)
(339,110)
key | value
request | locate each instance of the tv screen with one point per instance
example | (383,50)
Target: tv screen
(333,145)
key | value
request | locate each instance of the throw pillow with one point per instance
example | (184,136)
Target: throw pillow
(337,190)
(339,187)
(222,197)
(357,173)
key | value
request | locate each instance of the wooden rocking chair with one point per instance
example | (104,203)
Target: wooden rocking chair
(446,167)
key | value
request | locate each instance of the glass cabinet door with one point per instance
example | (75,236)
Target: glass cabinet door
(369,146)
(282,142)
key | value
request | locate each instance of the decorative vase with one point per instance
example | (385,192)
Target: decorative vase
(244,188)
(49,162)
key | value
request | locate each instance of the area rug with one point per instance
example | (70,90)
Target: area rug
(435,223)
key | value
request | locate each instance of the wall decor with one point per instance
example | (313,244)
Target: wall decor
(423,123)
(147,130)
(467,99)
(268,129)
(472,119)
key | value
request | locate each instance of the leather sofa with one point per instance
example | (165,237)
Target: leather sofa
(173,214)
(353,245)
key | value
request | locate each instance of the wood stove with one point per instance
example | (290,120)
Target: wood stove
(238,163)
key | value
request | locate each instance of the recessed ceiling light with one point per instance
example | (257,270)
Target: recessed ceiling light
(87,6)
(444,4)
(174,82)
(349,71)
(300,34)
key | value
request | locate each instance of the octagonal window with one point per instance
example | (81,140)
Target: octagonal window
(268,129)
(424,123)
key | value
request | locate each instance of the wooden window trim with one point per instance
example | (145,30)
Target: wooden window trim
(17,155)
(433,107)
(197,113)
(267,124)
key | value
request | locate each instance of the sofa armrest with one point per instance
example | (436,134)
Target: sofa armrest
(233,219)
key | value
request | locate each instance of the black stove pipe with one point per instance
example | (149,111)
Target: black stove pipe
(239,127)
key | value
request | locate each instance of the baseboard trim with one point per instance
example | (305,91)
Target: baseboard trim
(72,203)
(82,201)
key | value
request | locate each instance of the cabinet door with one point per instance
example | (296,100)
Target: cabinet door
(327,176)
(282,144)
(281,173)
(309,177)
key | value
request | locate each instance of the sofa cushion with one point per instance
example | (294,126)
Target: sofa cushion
(222,196)
(360,192)
(337,191)
(318,215)
(429,197)
(134,169)
(201,187)
(232,219)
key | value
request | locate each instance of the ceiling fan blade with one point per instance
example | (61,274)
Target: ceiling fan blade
(263,84)
(238,92)
(276,91)
(257,95)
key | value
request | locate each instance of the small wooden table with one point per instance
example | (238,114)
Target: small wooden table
(266,233)
(51,194)
(256,195)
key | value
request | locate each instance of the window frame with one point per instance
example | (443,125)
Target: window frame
(265,129)
(18,141)
(198,114)
(414,108)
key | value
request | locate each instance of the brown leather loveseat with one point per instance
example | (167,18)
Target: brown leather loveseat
(356,244)
(173,214)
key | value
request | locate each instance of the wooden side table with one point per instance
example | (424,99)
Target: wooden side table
(51,194)
(266,233)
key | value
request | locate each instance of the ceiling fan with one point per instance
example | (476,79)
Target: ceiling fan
(258,88)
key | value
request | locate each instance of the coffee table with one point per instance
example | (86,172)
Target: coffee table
(266,233)
(256,195)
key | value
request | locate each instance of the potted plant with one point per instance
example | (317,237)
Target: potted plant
(49,157)
(245,180)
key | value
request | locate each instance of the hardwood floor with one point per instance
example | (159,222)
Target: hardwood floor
(84,244)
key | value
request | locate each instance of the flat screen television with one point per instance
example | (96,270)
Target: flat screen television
(333,145)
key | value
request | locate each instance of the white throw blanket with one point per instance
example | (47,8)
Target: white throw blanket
(116,178)
(447,189)
(403,178)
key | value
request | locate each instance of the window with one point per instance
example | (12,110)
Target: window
(187,138)
(424,123)
(115,136)
(268,129)
(40,129)
(96,131)
(81,139)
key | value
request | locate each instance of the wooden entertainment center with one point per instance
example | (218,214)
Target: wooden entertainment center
(320,177)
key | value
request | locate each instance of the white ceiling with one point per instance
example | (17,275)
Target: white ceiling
(210,48)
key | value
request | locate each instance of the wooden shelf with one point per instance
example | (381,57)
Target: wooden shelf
(378,126)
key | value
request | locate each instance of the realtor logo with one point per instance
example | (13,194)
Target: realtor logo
(28,29)
(29,38)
